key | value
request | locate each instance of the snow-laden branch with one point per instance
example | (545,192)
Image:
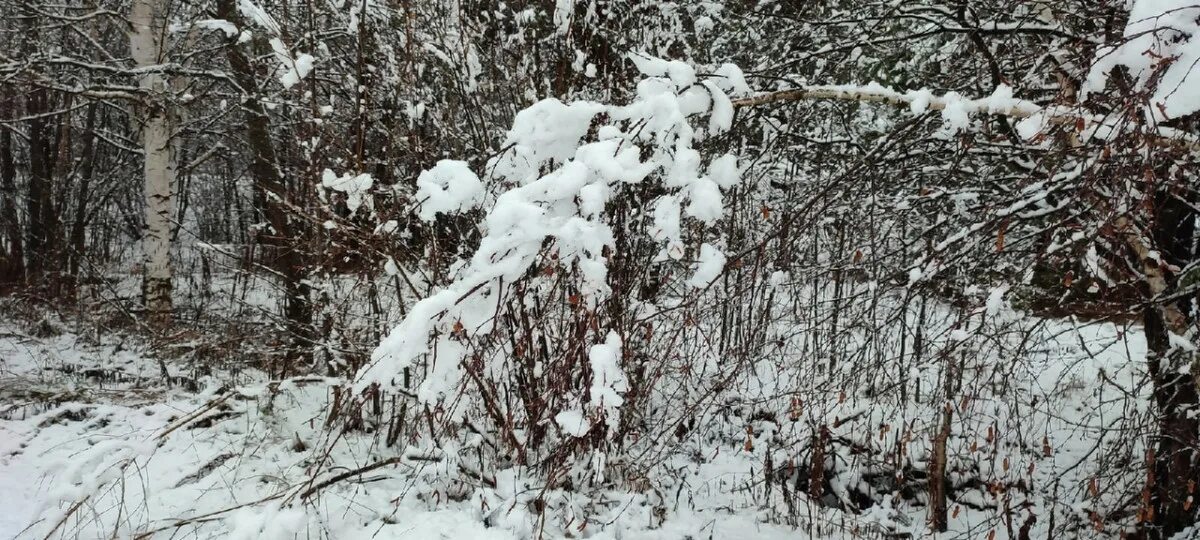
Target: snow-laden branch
(957,110)
(565,162)
(1002,102)
(1159,49)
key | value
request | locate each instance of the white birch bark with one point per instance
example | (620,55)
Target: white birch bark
(146,38)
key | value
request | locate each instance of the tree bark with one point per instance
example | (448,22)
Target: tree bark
(13,270)
(83,193)
(42,223)
(1169,502)
(148,21)
(271,191)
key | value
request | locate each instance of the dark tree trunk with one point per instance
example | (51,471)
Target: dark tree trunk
(1174,476)
(12,272)
(37,185)
(83,193)
(270,189)
(1171,486)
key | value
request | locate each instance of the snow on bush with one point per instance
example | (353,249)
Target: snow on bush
(1161,49)
(449,187)
(356,188)
(562,164)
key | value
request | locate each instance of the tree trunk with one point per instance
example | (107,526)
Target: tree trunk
(938,520)
(42,226)
(13,270)
(1171,484)
(79,223)
(148,20)
(1169,497)
(269,188)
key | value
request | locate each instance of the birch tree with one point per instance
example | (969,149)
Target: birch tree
(148,21)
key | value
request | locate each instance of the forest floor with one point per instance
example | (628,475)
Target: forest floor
(98,438)
(102,435)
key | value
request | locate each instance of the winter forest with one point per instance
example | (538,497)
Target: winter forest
(611,269)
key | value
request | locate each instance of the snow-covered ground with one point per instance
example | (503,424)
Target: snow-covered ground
(94,444)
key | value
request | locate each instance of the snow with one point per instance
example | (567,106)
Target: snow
(995,300)
(955,114)
(573,422)
(920,101)
(667,226)
(292,70)
(449,187)
(1036,124)
(445,373)
(547,131)
(356,188)
(1158,33)
(609,383)
(704,201)
(246,455)
(220,25)
(721,119)
(555,186)
(680,73)
(563,10)
(548,196)
(732,80)
(724,171)
(708,267)
(258,16)
(914,275)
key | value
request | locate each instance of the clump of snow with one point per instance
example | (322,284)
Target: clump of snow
(563,9)
(667,226)
(704,201)
(560,168)
(1029,128)
(388,227)
(450,186)
(357,188)
(724,171)
(258,16)
(914,275)
(548,130)
(955,114)
(609,383)
(573,422)
(1158,33)
(292,70)
(732,80)
(995,300)
(221,25)
(709,265)
(445,373)
(1001,100)
(919,102)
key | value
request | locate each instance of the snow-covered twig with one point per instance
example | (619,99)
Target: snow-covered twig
(956,109)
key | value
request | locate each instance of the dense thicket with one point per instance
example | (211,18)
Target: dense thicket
(809,253)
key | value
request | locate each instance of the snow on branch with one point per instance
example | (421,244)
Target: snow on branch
(957,110)
(1161,53)
(563,164)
